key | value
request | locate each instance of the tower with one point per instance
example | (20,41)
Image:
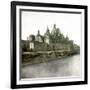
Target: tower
(31,40)
(47,36)
(38,37)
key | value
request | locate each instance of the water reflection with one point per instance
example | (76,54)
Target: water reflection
(69,66)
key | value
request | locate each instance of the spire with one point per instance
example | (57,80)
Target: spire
(38,32)
(67,37)
(47,29)
(54,29)
(55,26)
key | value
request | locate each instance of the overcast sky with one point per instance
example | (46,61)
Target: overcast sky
(69,24)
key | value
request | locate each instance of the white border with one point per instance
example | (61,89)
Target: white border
(47,80)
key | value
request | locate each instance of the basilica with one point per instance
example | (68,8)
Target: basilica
(53,40)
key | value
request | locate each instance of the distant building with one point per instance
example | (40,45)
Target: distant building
(53,40)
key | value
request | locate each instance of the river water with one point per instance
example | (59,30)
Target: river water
(69,66)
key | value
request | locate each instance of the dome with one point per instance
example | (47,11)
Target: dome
(31,38)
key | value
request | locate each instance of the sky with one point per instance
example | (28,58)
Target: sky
(69,24)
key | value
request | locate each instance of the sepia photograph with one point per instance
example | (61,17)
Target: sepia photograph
(49,44)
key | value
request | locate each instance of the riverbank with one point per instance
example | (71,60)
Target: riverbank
(40,60)
(34,58)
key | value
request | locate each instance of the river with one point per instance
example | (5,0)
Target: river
(68,66)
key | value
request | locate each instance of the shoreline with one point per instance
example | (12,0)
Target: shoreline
(43,60)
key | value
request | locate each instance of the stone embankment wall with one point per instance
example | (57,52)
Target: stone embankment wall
(40,57)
